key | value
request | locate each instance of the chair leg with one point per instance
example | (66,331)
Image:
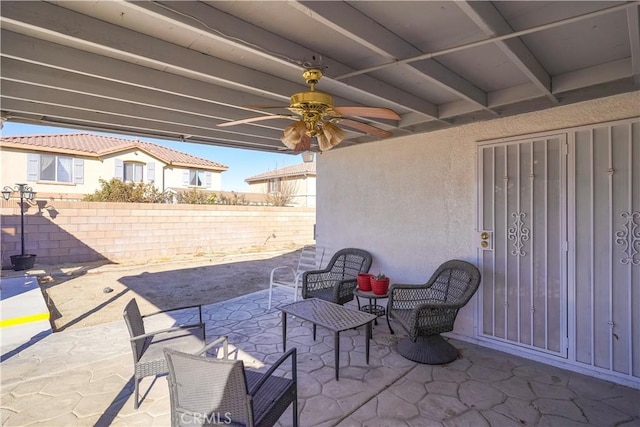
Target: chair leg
(295,410)
(136,403)
(430,350)
(270,293)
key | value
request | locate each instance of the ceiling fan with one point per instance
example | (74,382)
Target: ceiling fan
(316,116)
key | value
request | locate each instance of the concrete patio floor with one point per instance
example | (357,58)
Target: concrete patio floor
(82,377)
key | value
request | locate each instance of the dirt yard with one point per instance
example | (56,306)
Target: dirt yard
(76,293)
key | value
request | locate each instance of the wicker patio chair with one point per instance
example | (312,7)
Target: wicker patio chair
(426,311)
(336,282)
(209,391)
(286,277)
(146,347)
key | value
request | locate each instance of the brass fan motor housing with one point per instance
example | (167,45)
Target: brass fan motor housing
(312,106)
(311,99)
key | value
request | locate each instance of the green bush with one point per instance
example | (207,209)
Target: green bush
(128,192)
(196,197)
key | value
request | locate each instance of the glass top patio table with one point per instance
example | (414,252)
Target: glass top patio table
(333,317)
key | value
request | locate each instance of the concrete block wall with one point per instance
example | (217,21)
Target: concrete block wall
(71,232)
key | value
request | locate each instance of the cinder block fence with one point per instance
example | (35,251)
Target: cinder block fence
(71,232)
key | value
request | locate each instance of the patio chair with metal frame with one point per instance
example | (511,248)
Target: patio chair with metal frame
(426,311)
(336,282)
(211,391)
(147,347)
(285,276)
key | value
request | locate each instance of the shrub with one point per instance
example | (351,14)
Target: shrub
(196,197)
(127,192)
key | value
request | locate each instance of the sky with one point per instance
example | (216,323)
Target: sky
(242,163)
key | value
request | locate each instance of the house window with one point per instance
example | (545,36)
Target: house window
(133,172)
(56,168)
(274,185)
(196,178)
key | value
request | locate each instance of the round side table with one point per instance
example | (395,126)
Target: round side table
(372,307)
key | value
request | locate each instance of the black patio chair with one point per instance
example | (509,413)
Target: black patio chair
(426,311)
(336,282)
(146,347)
(210,391)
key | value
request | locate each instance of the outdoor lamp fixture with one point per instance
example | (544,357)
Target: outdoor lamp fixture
(22,261)
(307,156)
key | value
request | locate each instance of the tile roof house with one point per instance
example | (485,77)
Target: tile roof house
(300,179)
(68,166)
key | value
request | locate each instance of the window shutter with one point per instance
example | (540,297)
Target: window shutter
(207,179)
(185,177)
(33,167)
(119,172)
(151,172)
(78,171)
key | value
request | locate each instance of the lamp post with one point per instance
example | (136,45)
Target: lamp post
(23,261)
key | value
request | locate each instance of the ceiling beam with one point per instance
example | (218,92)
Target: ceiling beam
(348,21)
(592,76)
(71,28)
(492,24)
(490,40)
(127,110)
(38,75)
(25,48)
(98,121)
(254,40)
(633,22)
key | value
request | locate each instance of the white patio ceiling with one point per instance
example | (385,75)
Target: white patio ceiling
(174,70)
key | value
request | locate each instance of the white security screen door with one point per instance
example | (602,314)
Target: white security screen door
(559,244)
(522,224)
(606,254)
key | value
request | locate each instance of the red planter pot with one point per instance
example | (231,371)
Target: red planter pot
(379,286)
(364,281)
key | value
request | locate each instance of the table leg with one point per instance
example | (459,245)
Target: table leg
(284,332)
(314,331)
(336,349)
(368,339)
(371,308)
(358,300)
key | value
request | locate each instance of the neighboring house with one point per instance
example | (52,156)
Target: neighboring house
(71,165)
(299,179)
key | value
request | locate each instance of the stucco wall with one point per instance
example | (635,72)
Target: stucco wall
(67,232)
(411,201)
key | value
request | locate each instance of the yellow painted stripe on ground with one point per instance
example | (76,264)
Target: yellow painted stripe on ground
(24,319)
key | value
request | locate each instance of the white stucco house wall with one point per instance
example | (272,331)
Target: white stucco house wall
(300,179)
(68,166)
(557,193)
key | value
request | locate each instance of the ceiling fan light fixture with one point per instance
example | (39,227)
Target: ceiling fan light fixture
(293,134)
(331,136)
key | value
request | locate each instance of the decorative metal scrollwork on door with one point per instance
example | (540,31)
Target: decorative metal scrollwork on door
(518,233)
(629,237)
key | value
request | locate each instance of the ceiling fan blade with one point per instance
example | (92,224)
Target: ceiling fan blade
(255,119)
(371,130)
(380,113)
(265,107)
